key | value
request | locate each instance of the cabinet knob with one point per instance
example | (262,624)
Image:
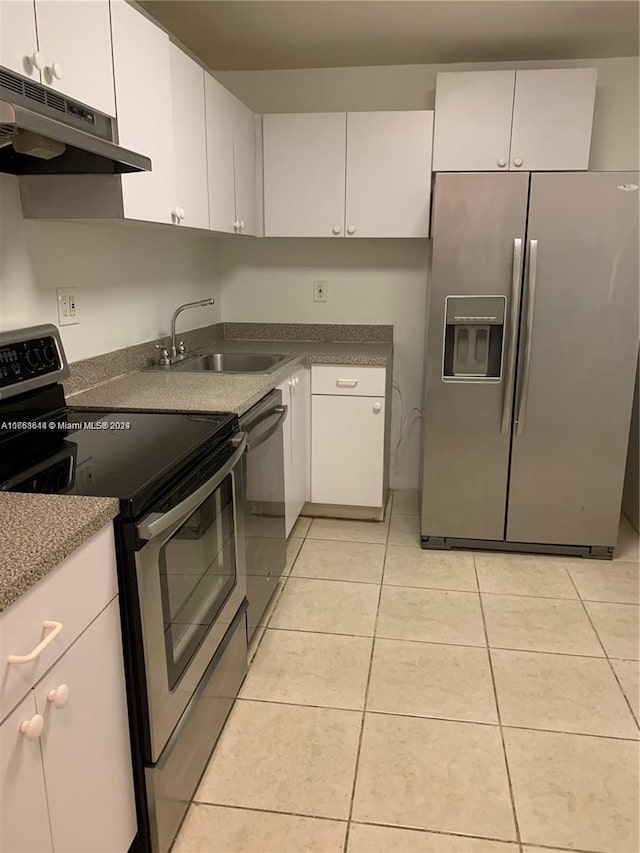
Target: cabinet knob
(336,229)
(242,224)
(55,70)
(502,162)
(36,60)
(236,225)
(60,696)
(32,729)
(377,407)
(517,162)
(181,213)
(175,217)
(351,229)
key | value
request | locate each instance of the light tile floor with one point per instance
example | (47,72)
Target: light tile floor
(405,701)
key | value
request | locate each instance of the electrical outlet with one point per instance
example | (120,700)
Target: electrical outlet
(68,313)
(320,291)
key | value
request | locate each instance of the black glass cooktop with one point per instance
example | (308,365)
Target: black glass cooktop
(132,456)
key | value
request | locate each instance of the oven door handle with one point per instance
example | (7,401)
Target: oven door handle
(277,410)
(158,522)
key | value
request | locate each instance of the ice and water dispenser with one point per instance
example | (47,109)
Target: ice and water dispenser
(474,332)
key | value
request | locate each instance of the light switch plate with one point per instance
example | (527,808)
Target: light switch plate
(68,313)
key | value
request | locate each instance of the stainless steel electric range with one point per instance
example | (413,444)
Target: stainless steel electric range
(181,557)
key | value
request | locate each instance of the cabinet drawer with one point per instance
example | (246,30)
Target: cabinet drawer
(347,380)
(73,594)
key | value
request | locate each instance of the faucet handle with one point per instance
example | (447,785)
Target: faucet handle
(181,347)
(163,354)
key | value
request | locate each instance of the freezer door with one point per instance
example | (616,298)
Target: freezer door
(478,230)
(580,326)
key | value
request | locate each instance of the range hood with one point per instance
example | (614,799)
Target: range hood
(44,133)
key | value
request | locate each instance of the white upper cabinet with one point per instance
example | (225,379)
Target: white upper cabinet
(529,120)
(304,174)
(388,174)
(364,174)
(220,108)
(18,39)
(552,119)
(74,40)
(189,141)
(244,160)
(473,120)
(142,65)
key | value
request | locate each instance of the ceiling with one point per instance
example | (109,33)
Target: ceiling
(264,34)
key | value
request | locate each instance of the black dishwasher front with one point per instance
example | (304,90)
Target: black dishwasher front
(266,552)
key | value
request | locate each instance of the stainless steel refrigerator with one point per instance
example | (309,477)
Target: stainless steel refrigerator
(531,353)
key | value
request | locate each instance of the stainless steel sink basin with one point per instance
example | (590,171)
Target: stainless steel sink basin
(231,362)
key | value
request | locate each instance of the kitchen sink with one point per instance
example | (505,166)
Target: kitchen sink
(232,362)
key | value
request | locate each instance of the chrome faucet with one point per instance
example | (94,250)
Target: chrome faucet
(178,353)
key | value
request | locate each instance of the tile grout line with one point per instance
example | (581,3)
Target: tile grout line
(366,690)
(440,643)
(604,650)
(405,715)
(495,696)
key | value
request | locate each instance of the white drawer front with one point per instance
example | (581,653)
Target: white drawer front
(72,594)
(347,380)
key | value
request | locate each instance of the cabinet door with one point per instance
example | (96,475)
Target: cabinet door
(300,431)
(347,450)
(189,140)
(286,389)
(85,743)
(220,114)
(304,174)
(552,119)
(388,173)
(18,39)
(141,62)
(473,121)
(244,158)
(24,818)
(75,43)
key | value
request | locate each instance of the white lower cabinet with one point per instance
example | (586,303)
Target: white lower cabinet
(347,450)
(66,780)
(296,392)
(85,743)
(24,817)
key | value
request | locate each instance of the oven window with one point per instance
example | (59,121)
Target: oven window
(197,573)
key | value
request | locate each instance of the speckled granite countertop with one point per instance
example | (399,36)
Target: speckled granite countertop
(40,531)
(167,390)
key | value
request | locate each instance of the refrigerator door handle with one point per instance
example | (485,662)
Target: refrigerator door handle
(526,367)
(507,397)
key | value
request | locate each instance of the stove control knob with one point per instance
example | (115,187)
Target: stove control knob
(49,355)
(32,357)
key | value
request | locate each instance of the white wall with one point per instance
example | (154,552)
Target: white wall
(382,281)
(129,278)
(369,281)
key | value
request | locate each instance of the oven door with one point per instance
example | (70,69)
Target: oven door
(191,580)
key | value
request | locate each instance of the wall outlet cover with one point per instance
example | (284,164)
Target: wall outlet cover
(320,291)
(68,312)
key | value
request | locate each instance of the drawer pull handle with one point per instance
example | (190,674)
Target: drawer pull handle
(346,383)
(57,627)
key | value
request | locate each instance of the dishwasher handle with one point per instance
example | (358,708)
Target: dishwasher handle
(266,435)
